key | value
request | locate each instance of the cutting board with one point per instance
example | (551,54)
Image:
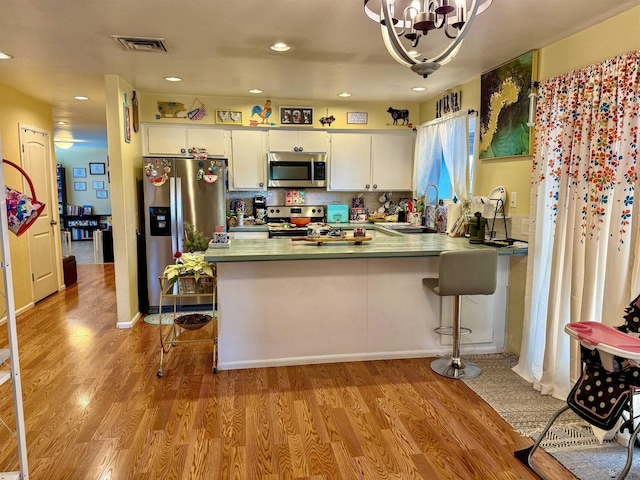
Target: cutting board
(321,240)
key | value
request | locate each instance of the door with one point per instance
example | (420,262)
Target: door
(44,232)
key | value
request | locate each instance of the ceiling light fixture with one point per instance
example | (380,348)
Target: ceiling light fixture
(280,47)
(63,145)
(418,89)
(344,94)
(5,56)
(61,123)
(173,79)
(81,97)
(414,19)
(255,90)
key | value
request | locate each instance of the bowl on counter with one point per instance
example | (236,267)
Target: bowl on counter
(300,221)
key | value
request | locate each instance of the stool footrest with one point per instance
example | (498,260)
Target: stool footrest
(444,330)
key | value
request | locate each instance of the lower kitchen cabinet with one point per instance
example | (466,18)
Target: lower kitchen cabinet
(248,160)
(371,162)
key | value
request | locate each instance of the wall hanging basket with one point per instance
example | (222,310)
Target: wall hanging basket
(22,210)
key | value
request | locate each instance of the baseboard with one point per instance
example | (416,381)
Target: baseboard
(131,322)
(28,306)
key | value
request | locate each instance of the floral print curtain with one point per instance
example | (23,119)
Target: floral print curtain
(583,258)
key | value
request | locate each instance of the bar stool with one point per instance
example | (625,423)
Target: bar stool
(465,272)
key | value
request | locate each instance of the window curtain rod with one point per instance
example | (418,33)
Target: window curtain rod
(449,117)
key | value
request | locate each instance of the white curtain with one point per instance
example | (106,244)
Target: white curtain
(446,138)
(583,258)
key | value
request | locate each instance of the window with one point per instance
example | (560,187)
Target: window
(445,185)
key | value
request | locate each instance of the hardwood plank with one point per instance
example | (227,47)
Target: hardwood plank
(94,408)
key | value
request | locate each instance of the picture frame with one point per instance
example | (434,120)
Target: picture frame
(228,117)
(296,116)
(80,186)
(361,118)
(97,185)
(449,103)
(96,169)
(79,173)
(503,124)
(102,194)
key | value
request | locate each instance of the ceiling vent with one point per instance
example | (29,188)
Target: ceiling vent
(142,44)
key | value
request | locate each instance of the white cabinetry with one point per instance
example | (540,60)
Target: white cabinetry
(248,160)
(391,162)
(297,141)
(371,162)
(350,162)
(177,140)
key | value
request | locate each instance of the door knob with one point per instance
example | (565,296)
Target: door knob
(367,186)
(53,222)
(375,185)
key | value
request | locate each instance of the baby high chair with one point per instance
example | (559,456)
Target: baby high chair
(610,376)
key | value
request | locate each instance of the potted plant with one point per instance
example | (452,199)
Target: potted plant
(187,271)
(193,240)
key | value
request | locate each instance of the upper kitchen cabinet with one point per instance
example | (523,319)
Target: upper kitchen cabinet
(178,140)
(248,160)
(297,141)
(350,162)
(371,162)
(392,162)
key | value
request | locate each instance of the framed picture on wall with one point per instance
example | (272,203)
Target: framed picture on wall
(96,168)
(79,172)
(80,186)
(102,194)
(97,185)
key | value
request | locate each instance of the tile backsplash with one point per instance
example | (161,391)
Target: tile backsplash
(317,196)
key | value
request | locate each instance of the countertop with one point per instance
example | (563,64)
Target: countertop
(251,250)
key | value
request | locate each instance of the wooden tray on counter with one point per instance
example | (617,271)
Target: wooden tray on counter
(328,239)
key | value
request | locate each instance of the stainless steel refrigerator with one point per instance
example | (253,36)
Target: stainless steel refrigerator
(178,190)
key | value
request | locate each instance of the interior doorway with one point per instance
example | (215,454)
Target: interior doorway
(44,256)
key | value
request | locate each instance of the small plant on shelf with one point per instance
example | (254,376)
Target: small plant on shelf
(188,265)
(194,241)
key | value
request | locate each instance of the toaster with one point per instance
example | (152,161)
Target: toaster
(337,213)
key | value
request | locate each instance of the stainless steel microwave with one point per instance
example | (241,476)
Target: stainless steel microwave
(288,169)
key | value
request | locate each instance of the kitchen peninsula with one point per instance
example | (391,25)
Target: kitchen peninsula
(284,303)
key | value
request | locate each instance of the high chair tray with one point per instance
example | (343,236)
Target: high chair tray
(605,338)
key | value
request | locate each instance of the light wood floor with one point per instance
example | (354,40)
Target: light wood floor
(95,409)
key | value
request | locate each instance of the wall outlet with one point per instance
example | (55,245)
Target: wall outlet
(513,200)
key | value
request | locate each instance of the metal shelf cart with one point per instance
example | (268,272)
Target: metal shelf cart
(188,327)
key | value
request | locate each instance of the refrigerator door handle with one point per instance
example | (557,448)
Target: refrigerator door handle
(173,210)
(179,217)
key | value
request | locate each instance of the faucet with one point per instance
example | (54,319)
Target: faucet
(424,201)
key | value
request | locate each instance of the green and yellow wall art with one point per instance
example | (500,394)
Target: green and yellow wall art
(504,108)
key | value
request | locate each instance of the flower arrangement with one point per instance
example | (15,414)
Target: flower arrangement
(187,264)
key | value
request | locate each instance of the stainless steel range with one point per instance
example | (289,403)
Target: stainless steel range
(278,219)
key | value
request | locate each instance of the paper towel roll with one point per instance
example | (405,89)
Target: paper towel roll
(455,212)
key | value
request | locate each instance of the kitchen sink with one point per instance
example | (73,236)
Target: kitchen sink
(414,230)
(410,229)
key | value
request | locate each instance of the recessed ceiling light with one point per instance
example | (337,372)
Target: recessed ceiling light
(61,123)
(5,56)
(173,79)
(255,90)
(280,47)
(419,89)
(81,97)
(344,94)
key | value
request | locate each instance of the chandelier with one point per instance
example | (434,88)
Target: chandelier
(412,20)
